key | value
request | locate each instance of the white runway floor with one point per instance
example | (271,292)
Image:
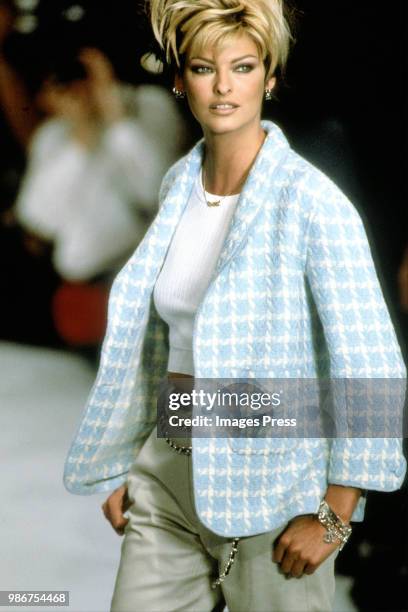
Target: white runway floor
(50,539)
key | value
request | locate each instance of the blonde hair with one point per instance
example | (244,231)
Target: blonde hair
(189,25)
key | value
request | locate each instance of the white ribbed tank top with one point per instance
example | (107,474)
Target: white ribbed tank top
(187,270)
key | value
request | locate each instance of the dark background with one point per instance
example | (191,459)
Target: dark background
(343,105)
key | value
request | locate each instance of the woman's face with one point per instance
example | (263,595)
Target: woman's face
(225,86)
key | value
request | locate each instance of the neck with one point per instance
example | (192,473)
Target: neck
(228,159)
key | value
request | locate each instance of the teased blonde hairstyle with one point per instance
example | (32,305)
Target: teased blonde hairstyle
(183,25)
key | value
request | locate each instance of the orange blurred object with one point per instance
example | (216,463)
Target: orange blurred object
(80,312)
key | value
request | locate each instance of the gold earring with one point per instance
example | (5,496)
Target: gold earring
(179,95)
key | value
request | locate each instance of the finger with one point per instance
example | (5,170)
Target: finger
(116,517)
(279,550)
(117,503)
(309,569)
(126,503)
(121,530)
(287,563)
(298,567)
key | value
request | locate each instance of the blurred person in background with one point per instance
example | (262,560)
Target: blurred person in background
(96,164)
(93,173)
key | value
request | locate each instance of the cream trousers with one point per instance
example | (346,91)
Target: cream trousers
(169,559)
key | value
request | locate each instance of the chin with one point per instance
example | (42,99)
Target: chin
(223,125)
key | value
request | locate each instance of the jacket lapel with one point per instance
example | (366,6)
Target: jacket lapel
(157,239)
(257,189)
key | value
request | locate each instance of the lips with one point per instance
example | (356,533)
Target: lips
(224,106)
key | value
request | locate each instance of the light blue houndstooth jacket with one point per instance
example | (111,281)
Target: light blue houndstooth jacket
(294,286)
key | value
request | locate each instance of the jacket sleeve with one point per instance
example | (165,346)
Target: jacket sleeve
(361,343)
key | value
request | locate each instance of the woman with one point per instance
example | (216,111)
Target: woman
(255,266)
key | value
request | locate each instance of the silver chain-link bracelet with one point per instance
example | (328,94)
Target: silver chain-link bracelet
(336,529)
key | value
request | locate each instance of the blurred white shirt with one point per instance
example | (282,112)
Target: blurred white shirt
(96,205)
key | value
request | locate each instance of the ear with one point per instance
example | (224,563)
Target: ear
(178,82)
(270,83)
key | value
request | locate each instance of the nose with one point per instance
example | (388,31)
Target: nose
(222,84)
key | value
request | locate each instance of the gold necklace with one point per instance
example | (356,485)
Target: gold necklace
(214,202)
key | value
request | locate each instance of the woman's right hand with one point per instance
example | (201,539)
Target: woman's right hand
(115,506)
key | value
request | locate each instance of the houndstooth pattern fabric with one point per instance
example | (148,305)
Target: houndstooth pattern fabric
(294,294)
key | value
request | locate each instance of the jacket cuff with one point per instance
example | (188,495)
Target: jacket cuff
(367,463)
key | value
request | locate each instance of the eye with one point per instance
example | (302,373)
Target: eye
(244,68)
(201,69)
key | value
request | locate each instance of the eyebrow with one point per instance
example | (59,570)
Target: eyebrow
(238,59)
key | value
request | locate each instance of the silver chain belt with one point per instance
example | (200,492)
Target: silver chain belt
(182,450)
(186,450)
